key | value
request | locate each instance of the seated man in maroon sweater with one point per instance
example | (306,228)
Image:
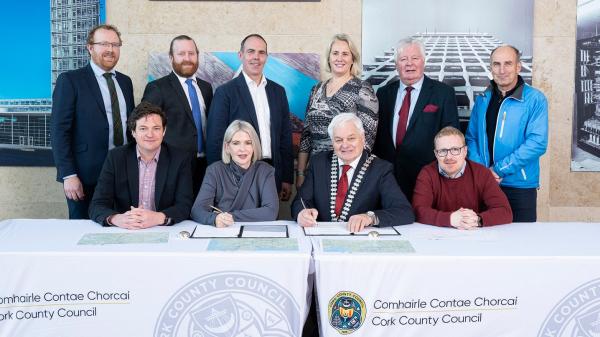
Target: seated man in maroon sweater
(457,192)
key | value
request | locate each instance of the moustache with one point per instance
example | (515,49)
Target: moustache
(108,54)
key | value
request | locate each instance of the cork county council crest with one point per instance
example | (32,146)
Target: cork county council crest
(347,312)
(576,315)
(230,304)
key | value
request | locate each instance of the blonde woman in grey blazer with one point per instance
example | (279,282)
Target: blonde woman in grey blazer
(240,187)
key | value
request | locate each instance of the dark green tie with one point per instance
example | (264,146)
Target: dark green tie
(116,111)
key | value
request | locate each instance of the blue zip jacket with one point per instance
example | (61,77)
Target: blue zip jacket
(520,140)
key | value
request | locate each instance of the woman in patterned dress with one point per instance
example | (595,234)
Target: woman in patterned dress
(343,92)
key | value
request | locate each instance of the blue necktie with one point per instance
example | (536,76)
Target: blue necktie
(196,113)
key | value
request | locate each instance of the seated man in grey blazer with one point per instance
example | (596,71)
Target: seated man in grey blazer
(240,187)
(146,183)
(360,188)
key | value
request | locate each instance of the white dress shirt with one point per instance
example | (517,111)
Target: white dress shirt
(201,101)
(263,113)
(351,170)
(414,95)
(99,73)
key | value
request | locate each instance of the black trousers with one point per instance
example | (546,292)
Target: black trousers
(80,209)
(522,202)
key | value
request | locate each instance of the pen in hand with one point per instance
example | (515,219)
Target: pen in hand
(217,210)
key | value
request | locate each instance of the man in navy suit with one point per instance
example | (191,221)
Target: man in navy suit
(411,112)
(349,184)
(90,106)
(146,183)
(187,126)
(261,102)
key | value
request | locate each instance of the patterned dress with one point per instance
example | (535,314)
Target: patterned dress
(356,96)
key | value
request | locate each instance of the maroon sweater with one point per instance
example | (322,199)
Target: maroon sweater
(436,197)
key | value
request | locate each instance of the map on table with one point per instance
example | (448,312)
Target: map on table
(367,246)
(96,239)
(251,244)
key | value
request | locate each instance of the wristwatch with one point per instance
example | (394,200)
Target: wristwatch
(374,219)
(168,221)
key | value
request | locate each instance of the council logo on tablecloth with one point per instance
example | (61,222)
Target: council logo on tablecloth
(228,304)
(576,315)
(347,312)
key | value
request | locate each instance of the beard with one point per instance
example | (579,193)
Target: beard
(183,69)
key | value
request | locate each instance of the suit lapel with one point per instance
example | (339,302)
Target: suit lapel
(389,112)
(95,89)
(133,175)
(160,179)
(424,96)
(271,98)
(244,93)
(363,157)
(178,90)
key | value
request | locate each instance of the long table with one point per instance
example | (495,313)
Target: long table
(58,278)
(517,280)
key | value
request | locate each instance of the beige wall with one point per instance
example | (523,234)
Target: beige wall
(307,27)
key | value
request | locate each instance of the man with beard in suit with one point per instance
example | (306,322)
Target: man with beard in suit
(90,106)
(185,100)
(411,112)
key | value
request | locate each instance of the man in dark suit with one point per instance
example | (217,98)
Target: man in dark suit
(411,112)
(261,102)
(147,183)
(366,193)
(185,100)
(90,106)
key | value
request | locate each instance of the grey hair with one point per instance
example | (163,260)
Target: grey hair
(407,42)
(517,51)
(343,118)
(232,129)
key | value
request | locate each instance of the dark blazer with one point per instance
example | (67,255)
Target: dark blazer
(378,192)
(168,94)
(118,184)
(79,126)
(416,150)
(232,101)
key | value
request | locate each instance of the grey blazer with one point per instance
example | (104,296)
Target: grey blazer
(254,200)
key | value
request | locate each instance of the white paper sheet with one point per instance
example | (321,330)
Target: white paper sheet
(341,228)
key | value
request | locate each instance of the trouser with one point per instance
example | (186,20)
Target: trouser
(523,202)
(80,209)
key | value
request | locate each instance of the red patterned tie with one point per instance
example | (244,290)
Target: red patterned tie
(341,190)
(403,120)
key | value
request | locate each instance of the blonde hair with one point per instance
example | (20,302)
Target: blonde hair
(355,69)
(233,128)
(449,131)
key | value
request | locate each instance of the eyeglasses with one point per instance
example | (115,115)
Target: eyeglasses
(115,45)
(455,151)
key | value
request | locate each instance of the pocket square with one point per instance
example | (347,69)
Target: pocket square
(430,108)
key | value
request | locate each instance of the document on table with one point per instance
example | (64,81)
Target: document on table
(254,245)
(341,228)
(206,232)
(264,231)
(98,239)
(367,246)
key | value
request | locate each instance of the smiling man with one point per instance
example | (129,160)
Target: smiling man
(253,98)
(90,106)
(457,192)
(145,184)
(508,132)
(411,111)
(360,188)
(185,100)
